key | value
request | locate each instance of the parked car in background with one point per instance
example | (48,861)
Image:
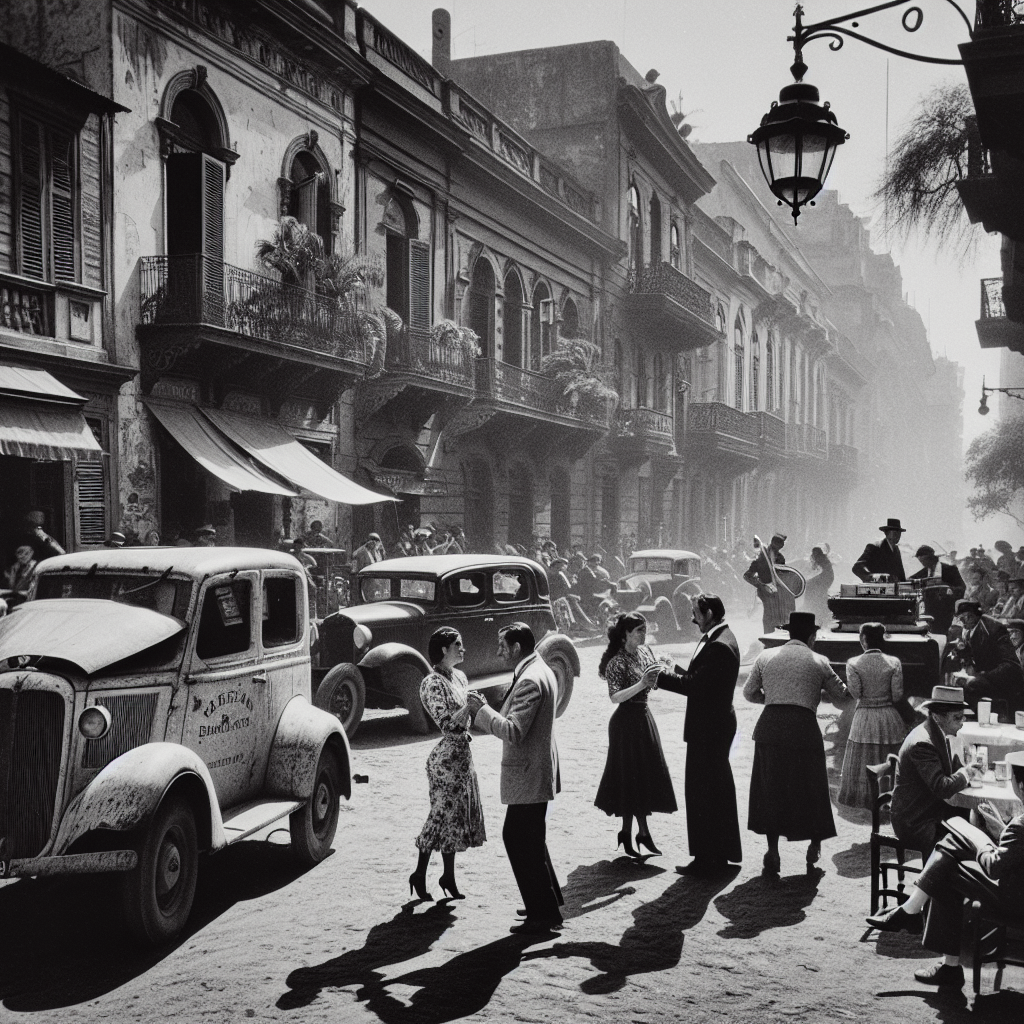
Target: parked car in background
(374,651)
(154,705)
(659,584)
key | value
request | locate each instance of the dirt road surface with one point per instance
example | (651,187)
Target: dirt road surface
(343,942)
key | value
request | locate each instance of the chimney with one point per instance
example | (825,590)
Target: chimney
(441,56)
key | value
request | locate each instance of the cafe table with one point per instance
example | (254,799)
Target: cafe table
(1000,737)
(998,793)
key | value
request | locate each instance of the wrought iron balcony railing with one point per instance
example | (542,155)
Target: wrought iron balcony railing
(773,432)
(195,289)
(642,422)
(412,350)
(528,389)
(664,279)
(719,418)
(992,307)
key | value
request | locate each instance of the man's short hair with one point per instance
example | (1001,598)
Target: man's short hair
(711,603)
(925,551)
(518,633)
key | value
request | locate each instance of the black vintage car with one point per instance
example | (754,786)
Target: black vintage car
(374,651)
(659,584)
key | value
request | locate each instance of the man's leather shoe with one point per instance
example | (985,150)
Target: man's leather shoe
(537,926)
(896,919)
(941,974)
(703,867)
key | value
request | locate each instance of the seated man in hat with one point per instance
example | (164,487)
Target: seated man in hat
(1015,627)
(939,600)
(883,557)
(929,771)
(988,657)
(776,601)
(564,603)
(1012,606)
(966,864)
(592,584)
(368,553)
(206,536)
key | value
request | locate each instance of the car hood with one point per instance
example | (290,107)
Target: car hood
(383,611)
(91,634)
(647,577)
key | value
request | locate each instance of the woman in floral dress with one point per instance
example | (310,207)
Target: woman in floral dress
(636,780)
(456,818)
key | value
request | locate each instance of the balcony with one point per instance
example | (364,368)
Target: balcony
(803,439)
(843,458)
(773,435)
(720,430)
(232,327)
(995,329)
(641,434)
(669,305)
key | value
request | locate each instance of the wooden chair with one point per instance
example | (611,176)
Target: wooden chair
(881,798)
(987,942)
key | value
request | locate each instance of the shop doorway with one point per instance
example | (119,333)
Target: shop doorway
(27,485)
(182,492)
(253,515)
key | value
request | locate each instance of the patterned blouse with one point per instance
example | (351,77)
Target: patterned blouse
(625,670)
(442,696)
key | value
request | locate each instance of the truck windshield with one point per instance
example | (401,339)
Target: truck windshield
(143,590)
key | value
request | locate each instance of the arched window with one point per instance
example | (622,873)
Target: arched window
(738,354)
(655,230)
(755,371)
(542,325)
(309,199)
(512,320)
(769,374)
(634,233)
(570,320)
(675,252)
(407,266)
(481,305)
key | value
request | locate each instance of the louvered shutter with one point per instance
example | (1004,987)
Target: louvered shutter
(419,286)
(213,240)
(304,203)
(91,501)
(31,239)
(62,200)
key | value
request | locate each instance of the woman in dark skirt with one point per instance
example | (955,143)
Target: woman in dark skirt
(636,781)
(789,793)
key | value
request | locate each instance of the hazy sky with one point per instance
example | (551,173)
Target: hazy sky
(728,61)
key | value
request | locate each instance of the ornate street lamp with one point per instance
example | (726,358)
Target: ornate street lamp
(798,137)
(986,391)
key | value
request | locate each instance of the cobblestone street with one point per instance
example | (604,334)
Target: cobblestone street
(342,942)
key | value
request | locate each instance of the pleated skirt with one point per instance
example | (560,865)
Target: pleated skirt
(636,778)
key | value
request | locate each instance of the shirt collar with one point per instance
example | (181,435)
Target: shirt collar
(521,667)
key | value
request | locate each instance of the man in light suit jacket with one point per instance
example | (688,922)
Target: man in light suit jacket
(529,772)
(712,822)
(883,556)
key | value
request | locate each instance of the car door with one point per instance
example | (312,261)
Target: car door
(228,696)
(513,598)
(285,654)
(464,606)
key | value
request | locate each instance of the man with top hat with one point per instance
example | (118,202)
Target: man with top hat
(776,601)
(946,588)
(988,657)
(929,771)
(883,557)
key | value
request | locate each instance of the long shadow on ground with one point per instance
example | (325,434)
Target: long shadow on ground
(763,902)
(61,945)
(952,1006)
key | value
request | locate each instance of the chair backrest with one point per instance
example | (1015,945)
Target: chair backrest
(881,794)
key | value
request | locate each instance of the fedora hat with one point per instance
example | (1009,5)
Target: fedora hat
(946,698)
(208,528)
(800,621)
(892,524)
(967,605)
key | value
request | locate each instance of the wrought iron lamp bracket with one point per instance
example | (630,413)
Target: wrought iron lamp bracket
(833,29)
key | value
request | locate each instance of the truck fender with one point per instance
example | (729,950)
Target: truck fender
(303,731)
(386,654)
(130,789)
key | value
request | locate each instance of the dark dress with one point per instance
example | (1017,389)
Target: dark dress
(636,779)
(712,822)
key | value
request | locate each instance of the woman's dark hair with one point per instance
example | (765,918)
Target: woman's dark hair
(440,640)
(617,631)
(711,603)
(874,633)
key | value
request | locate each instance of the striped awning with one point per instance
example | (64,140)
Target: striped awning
(40,418)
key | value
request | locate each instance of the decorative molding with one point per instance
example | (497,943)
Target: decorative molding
(371,398)
(466,420)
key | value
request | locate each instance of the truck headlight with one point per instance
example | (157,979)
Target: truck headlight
(94,722)
(361,638)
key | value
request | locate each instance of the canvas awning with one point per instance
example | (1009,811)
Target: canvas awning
(273,447)
(40,418)
(213,451)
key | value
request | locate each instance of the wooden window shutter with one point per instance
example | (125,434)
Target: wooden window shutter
(213,240)
(91,501)
(31,238)
(63,206)
(304,203)
(419,285)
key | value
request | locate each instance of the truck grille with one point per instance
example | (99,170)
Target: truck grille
(131,725)
(31,741)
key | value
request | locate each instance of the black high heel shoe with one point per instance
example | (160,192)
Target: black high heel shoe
(418,885)
(644,839)
(625,840)
(451,890)
(813,852)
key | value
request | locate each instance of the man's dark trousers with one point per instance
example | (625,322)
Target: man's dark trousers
(525,838)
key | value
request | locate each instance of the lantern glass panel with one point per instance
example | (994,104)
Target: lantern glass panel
(784,151)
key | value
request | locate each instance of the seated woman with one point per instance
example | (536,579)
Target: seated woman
(20,575)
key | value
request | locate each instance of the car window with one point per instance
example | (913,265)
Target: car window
(280,611)
(225,625)
(417,590)
(466,590)
(690,567)
(375,588)
(510,585)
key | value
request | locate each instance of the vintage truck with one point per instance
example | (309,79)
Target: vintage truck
(155,704)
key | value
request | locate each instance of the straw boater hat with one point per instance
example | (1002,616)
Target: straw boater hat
(892,524)
(947,698)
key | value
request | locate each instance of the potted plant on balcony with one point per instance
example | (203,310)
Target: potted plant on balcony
(575,366)
(447,334)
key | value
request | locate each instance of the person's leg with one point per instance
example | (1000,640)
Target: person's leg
(418,879)
(524,837)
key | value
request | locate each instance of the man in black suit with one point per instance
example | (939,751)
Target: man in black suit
(939,600)
(987,653)
(712,824)
(883,557)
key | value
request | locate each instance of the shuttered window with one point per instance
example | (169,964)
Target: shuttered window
(47,201)
(91,491)
(419,285)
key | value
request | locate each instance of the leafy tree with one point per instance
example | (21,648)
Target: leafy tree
(995,465)
(918,188)
(575,364)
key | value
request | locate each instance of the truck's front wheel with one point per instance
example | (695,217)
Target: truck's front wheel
(156,898)
(313,827)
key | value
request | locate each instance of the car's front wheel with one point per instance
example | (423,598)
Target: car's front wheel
(156,898)
(314,825)
(343,694)
(558,654)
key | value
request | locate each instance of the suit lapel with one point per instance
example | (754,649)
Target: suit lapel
(516,676)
